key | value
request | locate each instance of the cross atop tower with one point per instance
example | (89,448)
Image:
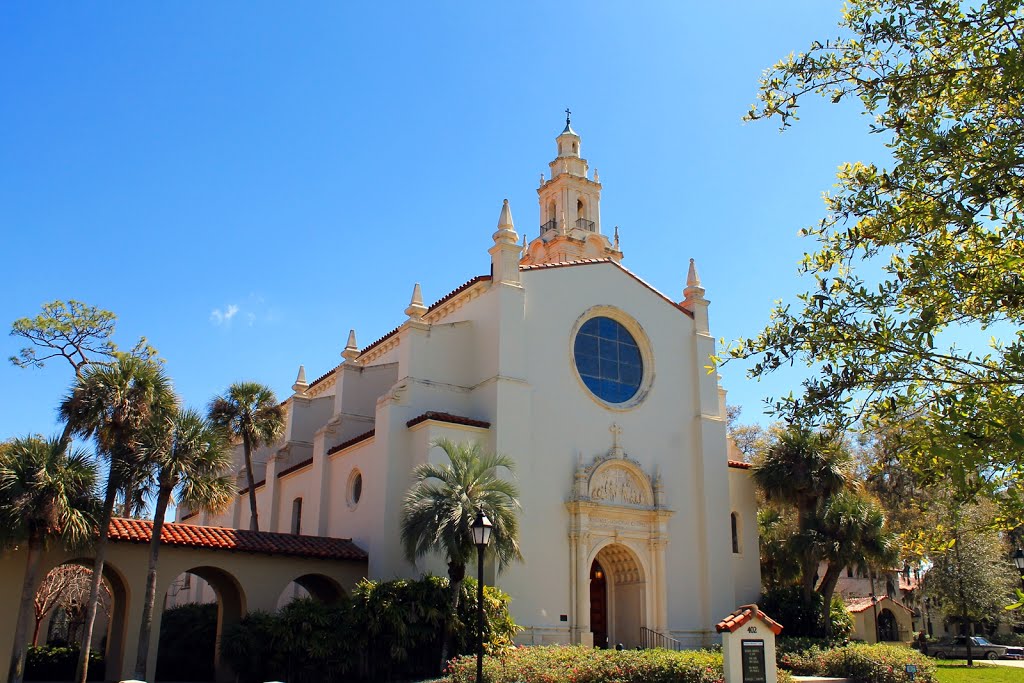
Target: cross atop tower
(567,114)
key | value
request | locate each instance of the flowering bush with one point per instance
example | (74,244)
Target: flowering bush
(876,664)
(559,664)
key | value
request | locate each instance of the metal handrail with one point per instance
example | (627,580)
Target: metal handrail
(550,225)
(650,640)
(584,224)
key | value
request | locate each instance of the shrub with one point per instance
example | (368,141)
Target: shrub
(386,630)
(188,634)
(57,663)
(876,664)
(1013,639)
(561,664)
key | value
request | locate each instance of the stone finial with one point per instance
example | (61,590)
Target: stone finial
(506,230)
(542,179)
(301,384)
(616,238)
(351,351)
(416,309)
(692,278)
(597,176)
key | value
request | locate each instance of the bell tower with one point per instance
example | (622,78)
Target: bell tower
(570,209)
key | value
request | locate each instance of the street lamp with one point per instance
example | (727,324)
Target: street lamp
(1018,559)
(481,535)
(874,609)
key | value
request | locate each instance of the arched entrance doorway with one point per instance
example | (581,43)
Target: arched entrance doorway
(887,627)
(617,597)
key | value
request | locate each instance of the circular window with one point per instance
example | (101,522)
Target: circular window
(355,488)
(608,360)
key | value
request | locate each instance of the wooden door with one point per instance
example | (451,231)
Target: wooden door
(599,605)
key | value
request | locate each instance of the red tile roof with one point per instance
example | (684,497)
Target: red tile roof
(740,465)
(260,483)
(857,605)
(351,442)
(322,377)
(745,614)
(295,468)
(447,417)
(458,290)
(237,540)
(590,261)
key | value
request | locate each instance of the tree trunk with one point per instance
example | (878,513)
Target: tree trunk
(94,586)
(35,631)
(254,520)
(827,590)
(809,562)
(456,573)
(149,601)
(25,611)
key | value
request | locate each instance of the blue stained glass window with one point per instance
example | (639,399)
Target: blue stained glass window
(608,360)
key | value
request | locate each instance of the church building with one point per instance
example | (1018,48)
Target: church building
(636,522)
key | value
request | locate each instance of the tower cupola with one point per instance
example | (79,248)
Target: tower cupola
(570,208)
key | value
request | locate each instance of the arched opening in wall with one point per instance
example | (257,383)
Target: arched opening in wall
(581,209)
(190,633)
(316,586)
(888,630)
(62,601)
(617,599)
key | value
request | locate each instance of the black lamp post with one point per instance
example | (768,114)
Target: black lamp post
(874,610)
(1018,559)
(481,535)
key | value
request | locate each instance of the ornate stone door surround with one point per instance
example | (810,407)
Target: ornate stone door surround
(614,501)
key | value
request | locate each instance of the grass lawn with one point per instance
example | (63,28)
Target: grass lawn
(959,672)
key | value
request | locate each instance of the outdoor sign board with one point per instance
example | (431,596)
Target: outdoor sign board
(754,670)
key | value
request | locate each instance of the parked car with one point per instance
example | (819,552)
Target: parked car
(1014,652)
(956,648)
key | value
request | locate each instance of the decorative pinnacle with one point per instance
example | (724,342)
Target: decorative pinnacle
(300,385)
(616,237)
(416,309)
(351,351)
(506,232)
(567,115)
(692,279)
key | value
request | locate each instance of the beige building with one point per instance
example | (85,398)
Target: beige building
(552,352)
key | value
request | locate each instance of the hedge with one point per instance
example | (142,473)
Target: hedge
(576,664)
(57,663)
(859,662)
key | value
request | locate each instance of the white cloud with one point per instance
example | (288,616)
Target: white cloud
(219,317)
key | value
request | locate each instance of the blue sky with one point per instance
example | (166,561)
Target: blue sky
(244,182)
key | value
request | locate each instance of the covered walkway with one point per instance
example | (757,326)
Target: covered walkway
(248,571)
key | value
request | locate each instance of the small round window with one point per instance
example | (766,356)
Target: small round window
(608,360)
(355,488)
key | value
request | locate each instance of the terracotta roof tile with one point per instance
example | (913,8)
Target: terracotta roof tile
(740,465)
(295,468)
(857,605)
(351,442)
(745,614)
(590,261)
(237,540)
(447,417)
(458,290)
(322,377)
(260,483)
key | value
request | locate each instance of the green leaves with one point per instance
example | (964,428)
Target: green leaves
(911,258)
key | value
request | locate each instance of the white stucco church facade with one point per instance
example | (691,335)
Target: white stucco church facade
(633,514)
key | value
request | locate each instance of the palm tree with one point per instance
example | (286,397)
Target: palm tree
(249,411)
(853,532)
(115,404)
(193,458)
(46,494)
(803,468)
(442,503)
